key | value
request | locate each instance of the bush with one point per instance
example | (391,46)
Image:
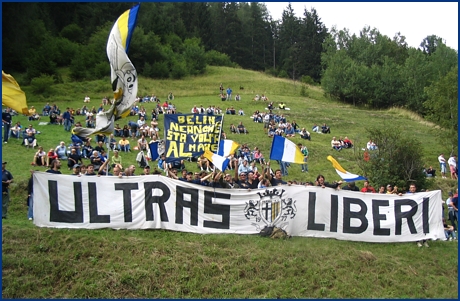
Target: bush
(397,160)
(283,74)
(42,85)
(306,79)
(215,58)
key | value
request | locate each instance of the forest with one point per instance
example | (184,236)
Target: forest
(179,39)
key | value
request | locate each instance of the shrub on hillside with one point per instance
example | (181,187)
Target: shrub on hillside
(42,85)
(397,159)
(215,58)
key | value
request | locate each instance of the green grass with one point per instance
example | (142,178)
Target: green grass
(63,263)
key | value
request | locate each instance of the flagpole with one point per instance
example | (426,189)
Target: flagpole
(108,156)
(220,133)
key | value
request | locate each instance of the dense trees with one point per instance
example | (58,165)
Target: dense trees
(176,39)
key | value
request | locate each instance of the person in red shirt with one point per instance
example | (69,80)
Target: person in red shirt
(367,187)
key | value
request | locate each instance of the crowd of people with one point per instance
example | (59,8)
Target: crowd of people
(248,169)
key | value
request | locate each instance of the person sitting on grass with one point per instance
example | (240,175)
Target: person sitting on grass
(61,151)
(30,140)
(335,144)
(39,157)
(52,154)
(242,129)
(304,134)
(73,159)
(325,129)
(233,129)
(123,144)
(347,143)
(289,131)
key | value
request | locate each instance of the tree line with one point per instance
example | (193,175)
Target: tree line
(178,39)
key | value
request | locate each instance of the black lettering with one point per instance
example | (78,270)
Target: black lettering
(160,200)
(192,205)
(311,225)
(60,216)
(348,215)
(334,212)
(425,216)
(94,217)
(376,204)
(127,201)
(408,215)
(211,208)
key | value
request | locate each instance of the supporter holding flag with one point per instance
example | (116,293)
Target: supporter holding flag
(285,150)
(219,162)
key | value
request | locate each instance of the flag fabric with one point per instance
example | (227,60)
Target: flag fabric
(227,147)
(12,95)
(345,175)
(285,150)
(153,147)
(123,75)
(219,162)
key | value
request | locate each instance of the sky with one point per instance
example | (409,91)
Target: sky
(414,20)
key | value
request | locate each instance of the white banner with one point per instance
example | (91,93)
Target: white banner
(158,202)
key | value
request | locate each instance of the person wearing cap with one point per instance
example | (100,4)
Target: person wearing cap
(351,186)
(76,170)
(7,179)
(146,171)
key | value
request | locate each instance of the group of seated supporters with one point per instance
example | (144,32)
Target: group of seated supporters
(239,129)
(341,143)
(210,110)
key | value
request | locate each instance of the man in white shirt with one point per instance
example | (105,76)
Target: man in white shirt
(442,164)
(453,166)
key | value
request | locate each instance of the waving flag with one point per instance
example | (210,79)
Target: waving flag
(227,147)
(153,147)
(285,150)
(123,75)
(345,175)
(12,95)
(219,162)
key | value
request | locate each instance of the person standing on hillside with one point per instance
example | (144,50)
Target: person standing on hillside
(442,164)
(67,116)
(229,93)
(7,119)
(453,167)
(7,179)
(304,150)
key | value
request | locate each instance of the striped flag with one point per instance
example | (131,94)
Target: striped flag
(219,162)
(285,150)
(123,75)
(345,175)
(227,147)
(153,147)
(12,95)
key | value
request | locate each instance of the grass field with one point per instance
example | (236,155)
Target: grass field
(60,263)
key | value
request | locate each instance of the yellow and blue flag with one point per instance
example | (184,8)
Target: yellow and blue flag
(227,147)
(219,162)
(285,150)
(345,175)
(12,95)
(123,75)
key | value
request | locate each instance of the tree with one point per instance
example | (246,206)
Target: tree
(397,160)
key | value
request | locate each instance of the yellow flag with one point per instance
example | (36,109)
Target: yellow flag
(12,95)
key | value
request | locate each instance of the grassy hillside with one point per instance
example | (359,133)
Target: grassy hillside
(60,263)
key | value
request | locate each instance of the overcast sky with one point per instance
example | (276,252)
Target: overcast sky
(414,20)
